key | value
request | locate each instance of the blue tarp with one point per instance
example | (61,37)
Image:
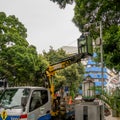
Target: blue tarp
(99,83)
(90,62)
(95,69)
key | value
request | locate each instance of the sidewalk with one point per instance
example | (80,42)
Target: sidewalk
(112,118)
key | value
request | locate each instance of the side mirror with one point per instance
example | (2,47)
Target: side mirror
(24,101)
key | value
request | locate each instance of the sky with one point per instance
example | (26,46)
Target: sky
(47,25)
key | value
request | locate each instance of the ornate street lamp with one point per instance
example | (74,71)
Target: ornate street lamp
(82,44)
(88,88)
(85,44)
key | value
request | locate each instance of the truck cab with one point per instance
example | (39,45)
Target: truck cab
(25,103)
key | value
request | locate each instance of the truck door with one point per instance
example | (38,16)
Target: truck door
(39,105)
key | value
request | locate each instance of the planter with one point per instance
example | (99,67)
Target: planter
(88,99)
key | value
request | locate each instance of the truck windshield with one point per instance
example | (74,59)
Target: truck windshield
(12,97)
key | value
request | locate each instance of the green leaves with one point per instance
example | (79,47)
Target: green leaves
(19,61)
(12,31)
(62,3)
(112,100)
(112,47)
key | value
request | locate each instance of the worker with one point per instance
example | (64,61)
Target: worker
(67,98)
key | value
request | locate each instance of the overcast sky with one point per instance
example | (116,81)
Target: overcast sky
(47,25)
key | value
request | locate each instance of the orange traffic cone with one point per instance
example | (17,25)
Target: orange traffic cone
(70,100)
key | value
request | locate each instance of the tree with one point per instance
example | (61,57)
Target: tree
(96,10)
(19,61)
(54,56)
(74,77)
(87,16)
(111,99)
(112,47)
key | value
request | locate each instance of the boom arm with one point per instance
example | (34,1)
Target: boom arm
(64,63)
(50,71)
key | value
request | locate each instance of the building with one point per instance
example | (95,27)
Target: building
(70,49)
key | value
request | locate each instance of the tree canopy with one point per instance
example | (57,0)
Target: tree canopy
(87,12)
(19,61)
(87,16)
(54,56)
(62,3)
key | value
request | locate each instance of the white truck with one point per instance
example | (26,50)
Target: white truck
(25,103)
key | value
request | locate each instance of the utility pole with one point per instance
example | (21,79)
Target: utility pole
(101,47)
(102,64)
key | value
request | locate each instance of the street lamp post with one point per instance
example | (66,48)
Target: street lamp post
(102,70)
(99,42)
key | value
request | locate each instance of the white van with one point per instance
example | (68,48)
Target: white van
(25,103)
